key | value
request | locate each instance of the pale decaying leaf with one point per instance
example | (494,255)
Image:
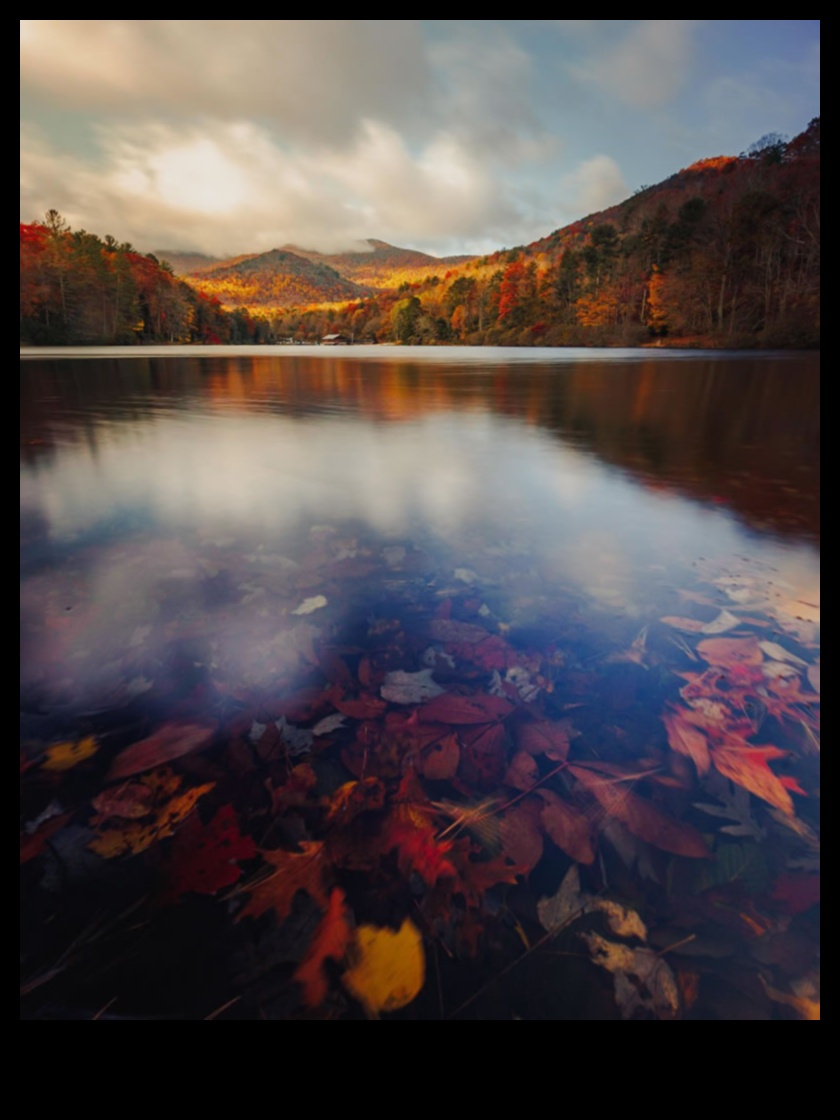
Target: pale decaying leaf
(724,621)
(569,903)
(388,968)
(644,982)
(778,653)
(328,724)
(410,688)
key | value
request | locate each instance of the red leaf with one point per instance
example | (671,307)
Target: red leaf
(748,767)
(418,850)
(483,756)
(521,834)
(442,759)
(354,798)
(570,830)
(796,893)
(688,740)
(729,653)
(362,707)
(172,740)
(204,857)
(523,772)
(550,739)
(329,942)
(641,816)
(479,708)
(291,872)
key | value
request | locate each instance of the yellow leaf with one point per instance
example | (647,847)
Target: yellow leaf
(804,1007)
(389,967)
(64,756)
(140,835)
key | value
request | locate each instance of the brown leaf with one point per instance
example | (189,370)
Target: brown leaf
(642,818)
(523,772)
(172,740)
(441,760)
(570,830)
(464,710)
(687,740)
(483,756)
(361,707)
(291,872)
(730,652)
(748,767)
(329,942)
(521,834)
(543,737)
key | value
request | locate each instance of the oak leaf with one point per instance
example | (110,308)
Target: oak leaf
(290,872)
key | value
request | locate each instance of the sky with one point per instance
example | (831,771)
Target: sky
(449,136)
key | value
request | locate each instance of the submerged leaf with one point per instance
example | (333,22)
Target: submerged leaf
(64,756)
(389,968)
(205,857)
(730,652)
(570,830)
(644,982)
(291,872)
(170,741)
(688,741)
(162,822)
(748,767)
(409,688)
(309,606)
(724,621)
(329,942)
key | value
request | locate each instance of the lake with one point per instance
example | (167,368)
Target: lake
(419,683)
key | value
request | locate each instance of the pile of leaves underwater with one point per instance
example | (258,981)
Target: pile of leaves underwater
(435,820)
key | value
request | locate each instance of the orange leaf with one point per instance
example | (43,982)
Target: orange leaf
(748,767)
(362,707)
(354,798)
(731,652)
(642,817)
(292,872)
(442,759)
(687,740)
(172,740)
(329,942)
(418,850)
(570,830)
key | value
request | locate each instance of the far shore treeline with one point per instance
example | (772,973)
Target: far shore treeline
(723,253)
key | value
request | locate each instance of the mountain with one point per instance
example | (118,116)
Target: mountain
(185,264)
(268,281)
(380,265)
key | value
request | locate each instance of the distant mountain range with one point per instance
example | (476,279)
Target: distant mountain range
(294,277)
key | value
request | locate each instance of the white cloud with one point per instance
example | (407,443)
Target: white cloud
(649,67)
(312,78)
(596,184)
(225,188)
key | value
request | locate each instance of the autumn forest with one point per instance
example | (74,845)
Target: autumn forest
(722,253)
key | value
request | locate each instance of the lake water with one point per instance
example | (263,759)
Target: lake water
(513,651)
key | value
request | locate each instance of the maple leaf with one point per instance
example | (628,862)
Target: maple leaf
(688,741)
(389,968)
(418,850)
(329,942)
(64,756)
(748,767)
(204,857)
(291,872)
(642,818)
(172,740)
(570,830)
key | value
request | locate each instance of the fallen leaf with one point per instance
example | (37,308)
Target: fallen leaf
(440,763)
(362,707)
(64,756)
(465,710)
(523,772)
(291,872)
(796,893)
(401,687)
(814,677)
(328,724)
(566,904)
(205,857)
(570,830)
(170,741)
(448,630)
(163,821)
(388,969)
(642,818)
(644,982)
(748,767)
(309,606)
(520,833)
(779,653)
(418,849)
(33,844)
(544,737)
(724,621)
(805,1008)
(482,764)
(688,741)
(354,798)
(128,802)
(729,652)
(329,942)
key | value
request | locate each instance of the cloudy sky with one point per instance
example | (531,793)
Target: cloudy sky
(230,136)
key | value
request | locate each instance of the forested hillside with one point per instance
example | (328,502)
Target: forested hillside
(77,288)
